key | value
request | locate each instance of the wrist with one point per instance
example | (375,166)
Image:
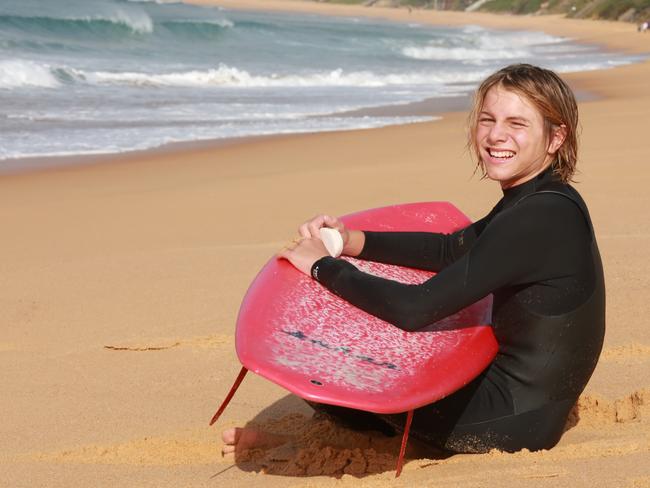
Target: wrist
(315,267)
(356,241)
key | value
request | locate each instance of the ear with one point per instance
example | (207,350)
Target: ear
(557,139)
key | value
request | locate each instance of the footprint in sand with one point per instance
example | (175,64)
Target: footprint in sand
(642,482)
(205,342)
(192,448)
(320,447)
(591,410)
(630,353)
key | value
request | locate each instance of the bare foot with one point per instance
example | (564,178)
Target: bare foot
(238,439)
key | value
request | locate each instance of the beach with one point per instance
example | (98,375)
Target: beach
(122,281)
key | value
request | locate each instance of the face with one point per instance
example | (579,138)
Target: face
(511,139)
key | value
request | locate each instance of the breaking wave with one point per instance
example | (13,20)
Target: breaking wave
(135,20)
(83,76)
(19,73)
(102,18)
(478,44)
(15,73)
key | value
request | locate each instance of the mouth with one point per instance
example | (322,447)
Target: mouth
(500,155)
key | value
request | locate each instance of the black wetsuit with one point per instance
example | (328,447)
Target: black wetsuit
(536,253)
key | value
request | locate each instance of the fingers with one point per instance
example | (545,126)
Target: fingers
(304,253)
(332,222)
(312,226)
(303,230)
(315,225)
(288,252)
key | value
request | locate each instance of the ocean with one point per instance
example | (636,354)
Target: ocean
(107,76)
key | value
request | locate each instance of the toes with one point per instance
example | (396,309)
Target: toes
(230,437)
(227,449)
(237,439)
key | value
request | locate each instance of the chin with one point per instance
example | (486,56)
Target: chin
(497,174)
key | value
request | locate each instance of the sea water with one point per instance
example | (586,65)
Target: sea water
(102,76)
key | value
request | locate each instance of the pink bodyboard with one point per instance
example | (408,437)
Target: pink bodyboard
(294,332)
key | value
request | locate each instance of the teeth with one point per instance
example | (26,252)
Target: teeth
(501,154)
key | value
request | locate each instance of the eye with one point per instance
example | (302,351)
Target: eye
(485,120)
(518,124)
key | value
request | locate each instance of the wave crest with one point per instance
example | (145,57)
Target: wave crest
(15,73)
(226,76)
(120,18)
(136,20)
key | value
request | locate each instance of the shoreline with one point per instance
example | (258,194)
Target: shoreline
(122,281)
(435,107)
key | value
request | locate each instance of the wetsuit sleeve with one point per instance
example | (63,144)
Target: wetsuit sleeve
(422,250)
(515,248)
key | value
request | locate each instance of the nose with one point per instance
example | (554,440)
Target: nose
(497,133)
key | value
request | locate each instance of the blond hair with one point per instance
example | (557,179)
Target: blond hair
(553,99)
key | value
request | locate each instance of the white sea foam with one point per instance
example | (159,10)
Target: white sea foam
(480,44)
(159,2)
(226,76)
(489,38)
(589,66)
(19,73)
(472,28)
(122,140)
(461,53)
(219,22)
(82,83)
(15,73)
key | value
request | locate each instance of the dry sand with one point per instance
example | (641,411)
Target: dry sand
(121,282)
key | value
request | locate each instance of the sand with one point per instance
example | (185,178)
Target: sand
(121,282)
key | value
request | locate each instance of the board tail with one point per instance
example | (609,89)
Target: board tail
(231,393)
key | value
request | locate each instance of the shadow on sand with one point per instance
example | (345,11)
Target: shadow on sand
(308,443)
(315,445)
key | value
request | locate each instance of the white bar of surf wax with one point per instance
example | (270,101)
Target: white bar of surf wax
(332,240)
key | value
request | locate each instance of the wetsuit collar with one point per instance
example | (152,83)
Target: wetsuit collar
(514,194)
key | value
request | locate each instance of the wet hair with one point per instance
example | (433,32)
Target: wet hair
(550,95)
